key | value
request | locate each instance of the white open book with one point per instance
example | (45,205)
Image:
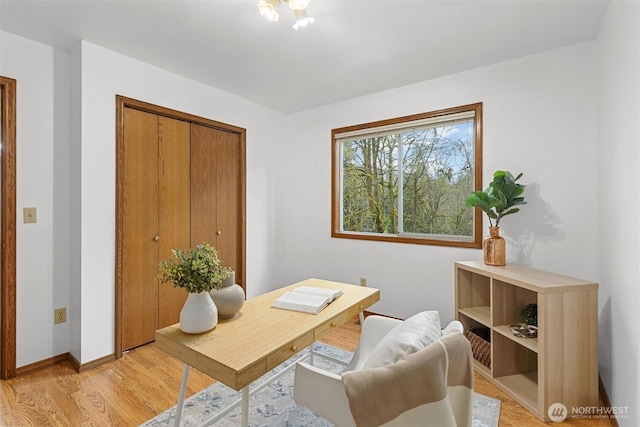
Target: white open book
(307,299)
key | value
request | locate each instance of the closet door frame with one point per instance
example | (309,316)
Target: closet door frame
(123,102)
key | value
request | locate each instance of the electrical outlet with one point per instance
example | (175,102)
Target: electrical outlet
(363,281)
(60,315)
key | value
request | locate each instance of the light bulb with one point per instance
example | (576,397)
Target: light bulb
(303,22)
(268,8)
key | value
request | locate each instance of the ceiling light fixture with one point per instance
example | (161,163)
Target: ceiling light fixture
(269,9)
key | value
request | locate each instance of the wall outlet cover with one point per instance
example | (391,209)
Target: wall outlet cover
(60,315)
(30,215)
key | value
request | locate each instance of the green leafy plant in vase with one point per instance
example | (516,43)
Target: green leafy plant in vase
(198,271)
(497,201)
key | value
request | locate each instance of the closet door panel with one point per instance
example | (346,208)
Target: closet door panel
(228,207)
(204,197)
(174,207)
(215,182)
(140,227)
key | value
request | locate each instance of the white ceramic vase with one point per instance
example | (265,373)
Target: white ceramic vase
(229,298)
(199,314)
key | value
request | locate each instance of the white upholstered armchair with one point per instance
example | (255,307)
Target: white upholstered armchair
(403,373)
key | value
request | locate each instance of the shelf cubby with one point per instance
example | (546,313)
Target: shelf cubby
(505,331)
(509,301)
(473,290)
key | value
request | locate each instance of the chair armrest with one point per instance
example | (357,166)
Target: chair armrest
(323,393)
(454,326)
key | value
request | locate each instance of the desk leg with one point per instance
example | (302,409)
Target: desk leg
(183,388)
(244,422)
(311,353)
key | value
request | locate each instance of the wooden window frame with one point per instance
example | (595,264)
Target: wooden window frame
(336,202)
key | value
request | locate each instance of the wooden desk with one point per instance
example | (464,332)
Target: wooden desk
(242,349)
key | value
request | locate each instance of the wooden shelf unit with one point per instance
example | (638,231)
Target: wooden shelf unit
(561,364)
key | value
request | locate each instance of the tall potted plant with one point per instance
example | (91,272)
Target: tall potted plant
(497,201)
(198,271)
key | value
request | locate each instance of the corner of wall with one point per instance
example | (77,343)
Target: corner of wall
(75,211)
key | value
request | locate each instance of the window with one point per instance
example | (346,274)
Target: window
(406,179)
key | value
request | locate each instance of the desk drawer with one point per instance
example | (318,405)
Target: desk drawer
(276,358)
(338,320)
(330,325)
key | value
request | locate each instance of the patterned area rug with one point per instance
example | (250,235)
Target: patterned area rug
(274,404)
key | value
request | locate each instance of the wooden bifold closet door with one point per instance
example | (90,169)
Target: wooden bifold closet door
(156,220)
(181,187)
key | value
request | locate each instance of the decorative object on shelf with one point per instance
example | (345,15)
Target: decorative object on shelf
(229,298)
(524,331)
(480,339)
(198,271)
(494,246)
(529,315)
(497,201)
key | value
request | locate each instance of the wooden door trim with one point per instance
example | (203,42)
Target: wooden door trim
(8,219)
(123,102)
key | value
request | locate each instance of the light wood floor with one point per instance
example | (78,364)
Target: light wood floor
(145,382)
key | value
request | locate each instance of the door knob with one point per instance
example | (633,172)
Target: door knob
(156,238)
(219,232)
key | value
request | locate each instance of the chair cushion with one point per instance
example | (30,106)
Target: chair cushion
(415,333)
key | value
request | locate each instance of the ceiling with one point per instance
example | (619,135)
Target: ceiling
(355,47)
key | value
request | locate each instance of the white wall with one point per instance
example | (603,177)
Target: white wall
(618,204)
(539,118)
(42,271)
(106,73)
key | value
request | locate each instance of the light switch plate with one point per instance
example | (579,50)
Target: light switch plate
(30,215)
